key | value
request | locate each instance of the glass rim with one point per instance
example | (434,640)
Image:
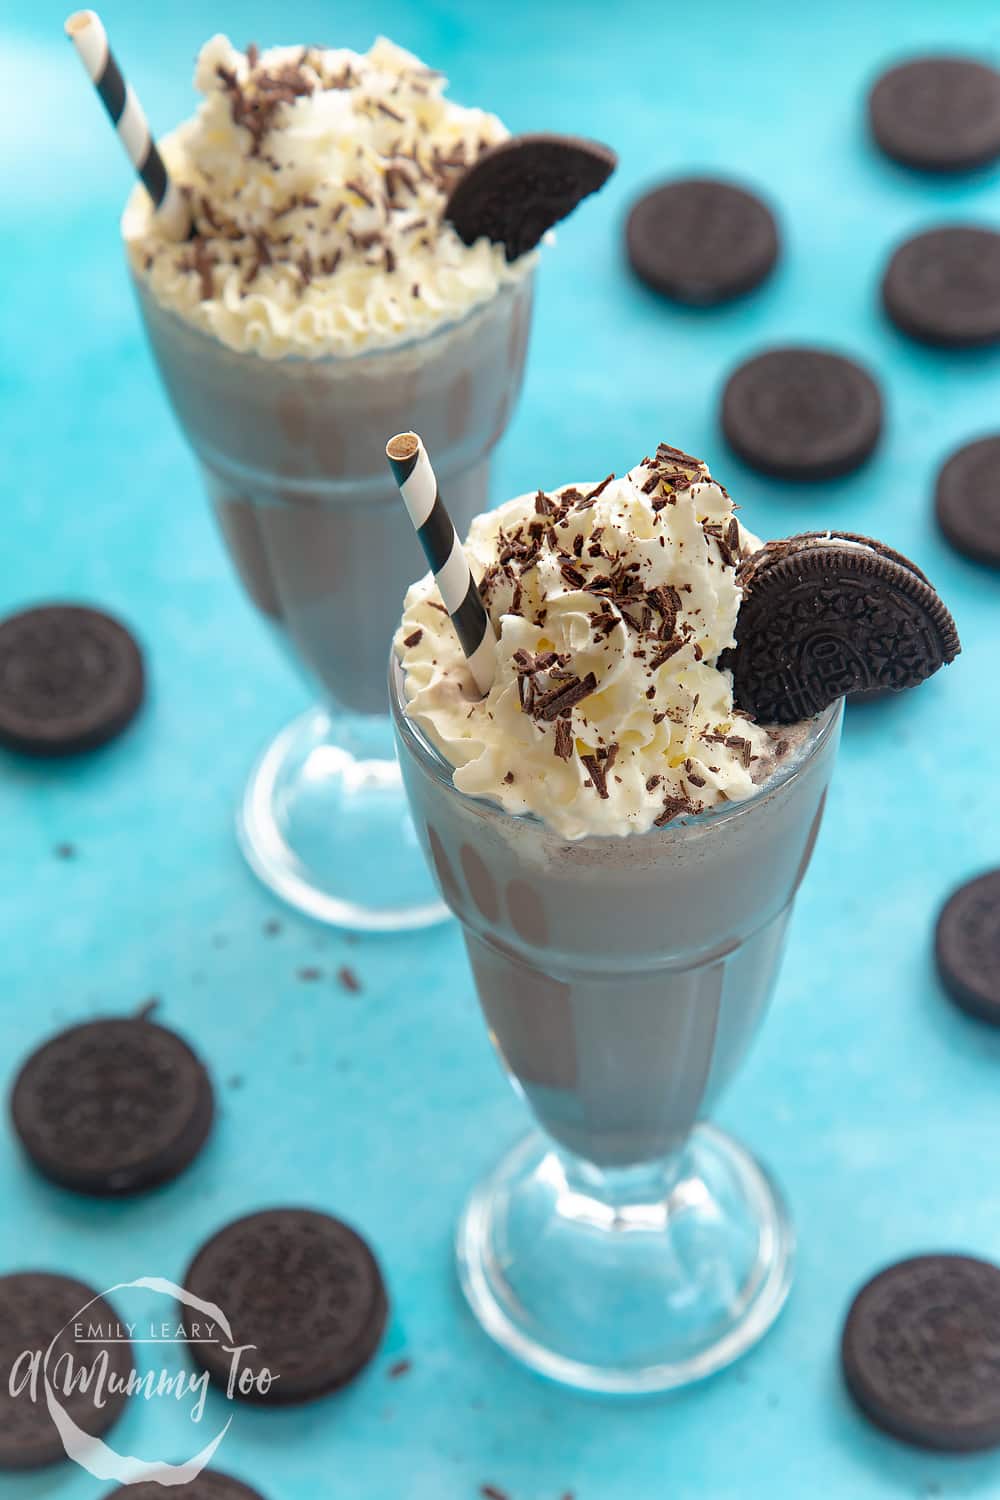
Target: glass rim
(430,759)
(506,289)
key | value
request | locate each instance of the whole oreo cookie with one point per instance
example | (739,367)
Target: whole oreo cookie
(827,614)
(516,191)
(919,1352)
(112,1107)
(303,1289)
(701,241)
(209,1485)
(942,287)
(35,1310)
(967,947)
(967,500)
(798,413)
(70,679)
(941,114)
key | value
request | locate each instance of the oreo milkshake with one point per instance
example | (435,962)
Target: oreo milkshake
(622,841)
(321,302)
(621,844)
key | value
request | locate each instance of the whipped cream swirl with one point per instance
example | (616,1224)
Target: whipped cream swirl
(317,180)
(608,713)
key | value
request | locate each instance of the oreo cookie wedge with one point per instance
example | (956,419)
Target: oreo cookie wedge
(919,1352)
(827,614)
(209,1485)
(701,241)
(300,1287)
(38,1315)
(70,679)
(967,947)
(516,191)
(112,1107)
(939,114)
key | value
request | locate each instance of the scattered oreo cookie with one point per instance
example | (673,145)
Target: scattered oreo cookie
(941,114)
(967,500)
(36,1309)
(799,413)
(516,191)
(967,947)
(70,679)
(209,1485)
(826,614)
(919,1352)
(112,1107)
(701,241)
(303,1289)
(942,287)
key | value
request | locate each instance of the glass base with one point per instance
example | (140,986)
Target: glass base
(631,1281)
(324,822)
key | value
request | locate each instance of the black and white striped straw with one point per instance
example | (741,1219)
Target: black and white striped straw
(445,554)
(86,32)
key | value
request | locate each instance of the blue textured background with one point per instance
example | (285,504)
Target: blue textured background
(873,1100)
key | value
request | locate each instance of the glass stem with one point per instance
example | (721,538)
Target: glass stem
(639,1196)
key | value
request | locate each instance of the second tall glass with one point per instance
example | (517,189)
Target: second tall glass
(628,1246)
(293,456)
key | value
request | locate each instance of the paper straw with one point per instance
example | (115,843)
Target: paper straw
(88,36)
(445,554)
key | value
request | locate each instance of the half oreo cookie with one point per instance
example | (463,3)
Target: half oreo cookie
(516,191)
(830,613)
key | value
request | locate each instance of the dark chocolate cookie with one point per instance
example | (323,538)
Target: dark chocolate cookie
(967,500)
(701,241)
(921,1352)
(70,679)
(301,1287)
(942,287)
(967,946)
(35,1309)
(799,413)
(824,615)
(941,114)
(112,1107)
(519,189)
(210,1485)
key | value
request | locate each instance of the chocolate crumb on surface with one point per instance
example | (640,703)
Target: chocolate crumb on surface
(348,979)
(401,1367)
(414,638)
(310,974)
(65,851)
(491,1492)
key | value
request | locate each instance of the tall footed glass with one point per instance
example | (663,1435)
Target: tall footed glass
(627,1246)
(292,452)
